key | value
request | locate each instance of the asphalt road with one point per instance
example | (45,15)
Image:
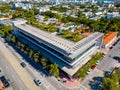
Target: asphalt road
(15,81)
(10,59)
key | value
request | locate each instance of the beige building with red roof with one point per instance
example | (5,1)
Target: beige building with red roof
(109,38)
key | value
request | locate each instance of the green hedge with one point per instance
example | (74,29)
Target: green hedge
(83,70)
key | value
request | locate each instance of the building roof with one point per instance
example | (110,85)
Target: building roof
(108,37)
(66,47)
(6,22)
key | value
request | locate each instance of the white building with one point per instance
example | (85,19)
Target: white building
(22,5)
(70,55)
(44,9)
(113,15)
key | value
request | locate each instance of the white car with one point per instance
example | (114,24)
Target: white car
(89,70)
(98,62)
(37,82)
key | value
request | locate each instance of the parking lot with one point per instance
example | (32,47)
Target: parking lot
(107,64)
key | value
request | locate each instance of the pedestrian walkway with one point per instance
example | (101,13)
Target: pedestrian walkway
(69,82)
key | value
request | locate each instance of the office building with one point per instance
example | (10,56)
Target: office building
(69,54)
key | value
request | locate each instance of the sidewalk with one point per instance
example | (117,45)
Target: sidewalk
(69,82)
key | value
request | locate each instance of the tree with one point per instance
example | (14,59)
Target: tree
(109,84)
(54,70)
(43,61)
(31,51)
(79,13)
(75,36)
(36,56)
(49,14)
(113,27)
(64,19)
(36,11)
(115,78)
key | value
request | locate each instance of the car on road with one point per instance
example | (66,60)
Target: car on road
(37,82)
(4,81)
(23,64)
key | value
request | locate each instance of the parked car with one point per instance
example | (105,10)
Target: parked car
(89,71)
(110,47)
(23,64)
(93,67)
(37,82)
(97,61)
(107,73)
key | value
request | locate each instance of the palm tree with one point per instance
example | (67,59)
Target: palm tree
(31,51)
(36,57)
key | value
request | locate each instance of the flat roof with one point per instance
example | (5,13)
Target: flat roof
(61,43)
(6,22)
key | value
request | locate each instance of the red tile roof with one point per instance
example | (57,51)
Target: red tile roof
(108,37)
(83,29)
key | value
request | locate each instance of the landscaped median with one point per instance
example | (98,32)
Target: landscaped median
(82,72)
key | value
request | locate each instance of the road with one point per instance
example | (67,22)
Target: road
(21,77)
(107,64)
(11,73)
